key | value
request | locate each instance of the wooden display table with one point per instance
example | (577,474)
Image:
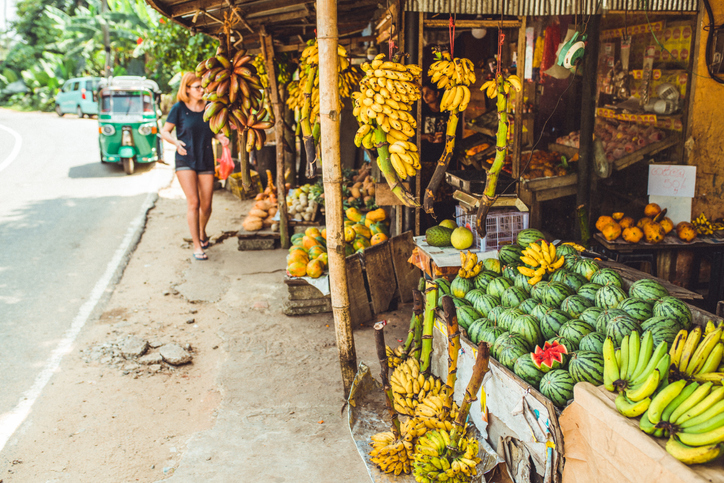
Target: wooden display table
(534,191)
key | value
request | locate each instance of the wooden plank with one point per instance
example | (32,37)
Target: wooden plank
(385,197)
(664,260)
(630,275)
(242,233)
(649,150)
(377,261)
(551,182)
(359,304)
(407,275)
(471,24)
(190,7)
(556,193)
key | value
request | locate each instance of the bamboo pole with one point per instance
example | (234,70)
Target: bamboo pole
(471,394)
(268,47)
(329,110)
(384,371)
(453,347)
(412,342)
(427,327)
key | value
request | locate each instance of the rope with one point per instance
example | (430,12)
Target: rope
(451,32)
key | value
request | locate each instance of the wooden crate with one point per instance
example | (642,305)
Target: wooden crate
(233,184)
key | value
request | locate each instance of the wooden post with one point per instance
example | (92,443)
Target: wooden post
(519,101)
(268,52)
(329,113)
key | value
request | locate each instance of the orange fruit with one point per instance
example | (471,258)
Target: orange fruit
(652,209)
(667,224)
(603,221)
(309,242)
(633,234)
(297,249)
(315,268)
(297,269)
(611,231)
(627,222)
(378,238)
(313,232)
(324,233)
(617,216)
(643,222)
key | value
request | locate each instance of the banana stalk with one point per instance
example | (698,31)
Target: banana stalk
(244,160)
(471,394)
(582,215)
(427,326)
(501,148)
(384,370)
(383,161)
(443,162)
(307,137)
(453,347)
(411,344)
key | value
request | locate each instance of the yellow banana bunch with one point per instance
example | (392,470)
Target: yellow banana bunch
(491,87)
(543,260)
(454,76)
(703,225)
(698,354)
(296,95)
(434,414)
(394,356)
(434,460)
(579,248)
(409,386)
(390,453)
(470,267)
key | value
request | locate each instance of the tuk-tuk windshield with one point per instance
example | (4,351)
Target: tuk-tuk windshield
(126,102)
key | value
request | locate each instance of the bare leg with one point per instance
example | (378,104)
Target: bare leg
(206,195)
(188,179)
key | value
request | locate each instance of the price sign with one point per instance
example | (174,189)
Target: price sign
(672,180)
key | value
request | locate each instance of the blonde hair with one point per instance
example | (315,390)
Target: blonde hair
(187,79)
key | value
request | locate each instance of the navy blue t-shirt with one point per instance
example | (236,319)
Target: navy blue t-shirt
(196,133)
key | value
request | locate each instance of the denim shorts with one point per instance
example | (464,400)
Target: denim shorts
(181,165)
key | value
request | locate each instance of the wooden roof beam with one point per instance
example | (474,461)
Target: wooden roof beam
(248,8)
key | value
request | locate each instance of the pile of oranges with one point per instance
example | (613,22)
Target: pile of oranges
(652,227)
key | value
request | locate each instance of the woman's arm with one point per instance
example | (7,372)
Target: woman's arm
(168,137)
(222,139)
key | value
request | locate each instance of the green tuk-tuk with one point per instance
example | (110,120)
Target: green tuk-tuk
(128,121)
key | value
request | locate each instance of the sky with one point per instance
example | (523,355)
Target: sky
(7,7)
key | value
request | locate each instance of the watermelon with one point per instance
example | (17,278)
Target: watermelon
(647,289)
(512,297)
(508,316)
(521,281)
(558,275)
(551,322)
(661,333)
(458,302)
(589,291)
(443,287)
(495,312)
(586,267)
(528,327)
(486,303)
(592,342)
(498,286)
(461,286)
(473,295)
(528,305)
(575,330)
(509,355)
(590,315)
(673,308)
(466,316)
(538,291)
(555,293)
(649,324)
(490,335)
(609,296)
(575,305)
(586,366)
(607,276)
(549,357)
(525,369)
(493,265)
(566,251)
(571,261)
(639,309)
(510,272)
(605,318)
(506,340)
(482,280)
(539,311)
(476,329)
(528,236)
(574,280)
(558,387)
(562,341)
(621,326)
(510,254)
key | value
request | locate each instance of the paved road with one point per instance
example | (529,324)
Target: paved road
(66,224)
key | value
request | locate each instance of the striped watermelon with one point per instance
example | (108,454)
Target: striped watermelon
(674,309)
(525,369)
(586,366)
(482,280)
(558,275)
(490,335)
(521,281)
(443,287)
(528,327)
(639,309)
(609,296)
(555,293)
(551,322)
(510,272)
(486,303)
(586,267)
(538,291)
(476,329)
(498,286)
(539,311)
(574,280)
(558,387)
(512,297)
(495,313)
(528,305)
(571,261)
(607,276)
(509,355)
(562,341)
(473,295)
(510,254)
(566,251)
(528,236)
(461,286)
(508,316)
(662,333)
(653,322)
(506,340)
(575,305)
(589,291)
(549,357)
(592,342)
(575,330)
(466,316)
(590,315)
(621,326)
(605,318)
(647,289)
(458,302)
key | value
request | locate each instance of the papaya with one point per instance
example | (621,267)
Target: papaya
(321,241)
(667,223)
(603,221)
(324,233)
(353,214)
(348,250)
(309,242)
(627,222)
(297,236)
(643,222)
(368,222)
(633,234)
(312,231)
(378,238)
(324,258)
(315,251)
(611,231)
(297,269)
(686,231)
(360,243)
(298,241)
(362,230)
(377,215)
(380,227)
(349,234)
(654,232)
(315,268)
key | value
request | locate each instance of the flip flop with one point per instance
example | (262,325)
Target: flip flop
(205,244)
(201,256)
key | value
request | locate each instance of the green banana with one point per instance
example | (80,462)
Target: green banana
(610,366)
(702,351)
(712,362)
(623,367)
(645,389)
(629,408)
(714,436)
(706,416)
(714,397)
(645,424)
(634,345)
(663,399)
(678,400)
(698,395)
(647,349)
(661,351)
(705,426)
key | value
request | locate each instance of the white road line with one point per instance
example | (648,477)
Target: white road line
(11,421)
(16,149)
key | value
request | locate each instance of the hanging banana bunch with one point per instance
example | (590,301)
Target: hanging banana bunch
(260,65)
(453,75)
(500,87)
(382,107)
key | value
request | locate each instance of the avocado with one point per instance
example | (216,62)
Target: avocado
(438,236)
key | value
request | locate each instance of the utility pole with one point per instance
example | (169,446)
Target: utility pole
(106,38)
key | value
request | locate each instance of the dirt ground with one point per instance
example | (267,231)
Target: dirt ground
(261,400)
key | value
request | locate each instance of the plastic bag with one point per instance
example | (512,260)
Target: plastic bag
(226,164)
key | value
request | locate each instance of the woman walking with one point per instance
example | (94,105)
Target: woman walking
(194,157)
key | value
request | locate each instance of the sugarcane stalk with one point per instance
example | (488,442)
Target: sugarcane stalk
(427,326)
(384,370)
(501,149)
(412,342)
(582,214)
(453,346)
(442,163)
(307,137)
(244,160)
(383,161)
(471,394)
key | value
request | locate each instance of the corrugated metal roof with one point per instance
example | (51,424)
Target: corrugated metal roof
(545,7)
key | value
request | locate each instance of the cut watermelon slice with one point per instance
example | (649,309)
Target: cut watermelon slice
(551,356)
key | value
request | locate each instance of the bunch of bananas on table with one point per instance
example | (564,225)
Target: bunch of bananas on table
(704,226)
(454,75)
(543,256)
(470,267)
(434,460)
(233,90)
(394,356)
(434,414)
(409,386)
(491,87)
(697,358)
(579,248)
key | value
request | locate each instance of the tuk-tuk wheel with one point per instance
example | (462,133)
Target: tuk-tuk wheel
(58,111)
(129,165)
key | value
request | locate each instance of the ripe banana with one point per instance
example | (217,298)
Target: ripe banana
(692,455)
(629,408)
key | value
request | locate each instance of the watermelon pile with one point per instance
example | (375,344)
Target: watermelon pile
(551,334)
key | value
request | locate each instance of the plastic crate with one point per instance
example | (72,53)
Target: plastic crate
(502,227)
